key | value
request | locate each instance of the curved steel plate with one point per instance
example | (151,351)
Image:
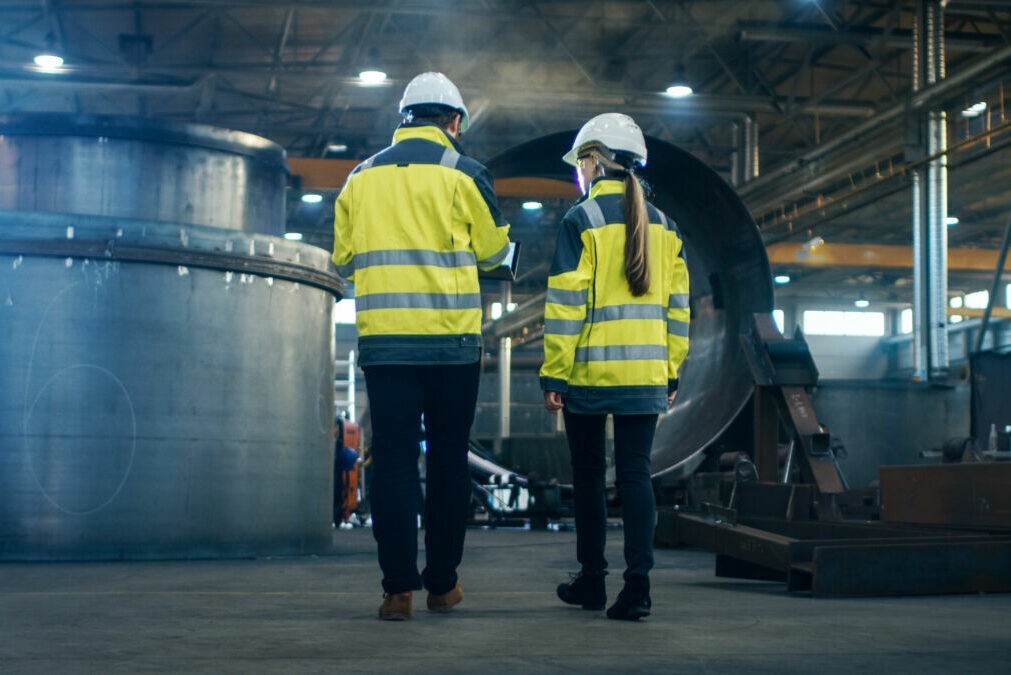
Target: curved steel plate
(730,276)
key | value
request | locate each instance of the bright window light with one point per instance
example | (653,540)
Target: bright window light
(293,236)
(780,319)
(679,91)
(956,302)
(781,278)
(1007,295)
(906,321)
(975,110)
(977,300)
(532,206)
(372,77)
(312,198)
(344,312)
(819,322)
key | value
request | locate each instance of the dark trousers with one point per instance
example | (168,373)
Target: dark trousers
(633,439)
(398,398)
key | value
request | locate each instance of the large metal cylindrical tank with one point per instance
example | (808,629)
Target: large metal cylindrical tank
(730,281)
(167,386)
(134,168)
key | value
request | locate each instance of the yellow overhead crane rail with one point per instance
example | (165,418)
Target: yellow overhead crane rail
(330,174)
(876,255)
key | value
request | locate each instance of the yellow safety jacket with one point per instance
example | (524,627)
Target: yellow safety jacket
(411,227)
(605,350)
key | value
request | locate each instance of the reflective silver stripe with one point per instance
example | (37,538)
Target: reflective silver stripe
(621,353)
(450,158)
(678,301)
(367,164)
(495,259)
(617,312)
(364,303)
(414,257)
(563,297)
(679,328)
(593,213)
(563,326)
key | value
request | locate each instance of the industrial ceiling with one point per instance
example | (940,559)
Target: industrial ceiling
(825,86)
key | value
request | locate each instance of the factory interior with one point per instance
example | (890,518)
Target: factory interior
(184,426)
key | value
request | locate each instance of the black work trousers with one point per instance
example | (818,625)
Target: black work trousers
(633,439)
(399,396)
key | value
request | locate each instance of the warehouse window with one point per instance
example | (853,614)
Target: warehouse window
(779,318)
(906,321)
(977,300)
(1007,296)
(817,322)
(344,311)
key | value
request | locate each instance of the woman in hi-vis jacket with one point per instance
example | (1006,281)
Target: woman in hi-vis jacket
(615,334)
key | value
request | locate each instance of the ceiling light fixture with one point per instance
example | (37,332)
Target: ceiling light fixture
(862,302)
(975,110)
(951,221)
(532,206)
(293,236)
(680,90)
(372,78)
(312,198)
(50,63)
(781,279)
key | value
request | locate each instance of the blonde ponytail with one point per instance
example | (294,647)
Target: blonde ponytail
(636,236)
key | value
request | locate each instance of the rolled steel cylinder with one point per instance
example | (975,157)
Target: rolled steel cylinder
(167,386)
(144,169)
(730,281)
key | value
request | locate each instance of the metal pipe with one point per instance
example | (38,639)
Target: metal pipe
(920,278)
(504,375)
(937,245)
(937,198)
(931,95)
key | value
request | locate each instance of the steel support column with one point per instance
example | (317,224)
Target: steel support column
(930,203)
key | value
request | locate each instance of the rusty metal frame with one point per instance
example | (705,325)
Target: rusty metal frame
(851,559)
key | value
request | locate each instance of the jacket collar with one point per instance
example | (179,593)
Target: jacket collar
(425,132)
(606,185)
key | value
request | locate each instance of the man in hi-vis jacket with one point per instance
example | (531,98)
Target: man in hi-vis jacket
(411,228)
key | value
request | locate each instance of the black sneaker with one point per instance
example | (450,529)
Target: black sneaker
(586,590)
(633,601)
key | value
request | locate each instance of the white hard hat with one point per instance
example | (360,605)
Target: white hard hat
(435,88)
(614,131)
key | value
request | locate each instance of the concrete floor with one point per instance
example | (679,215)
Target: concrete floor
(318,614)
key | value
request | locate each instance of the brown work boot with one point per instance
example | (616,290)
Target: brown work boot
(396,606)
(444,602)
